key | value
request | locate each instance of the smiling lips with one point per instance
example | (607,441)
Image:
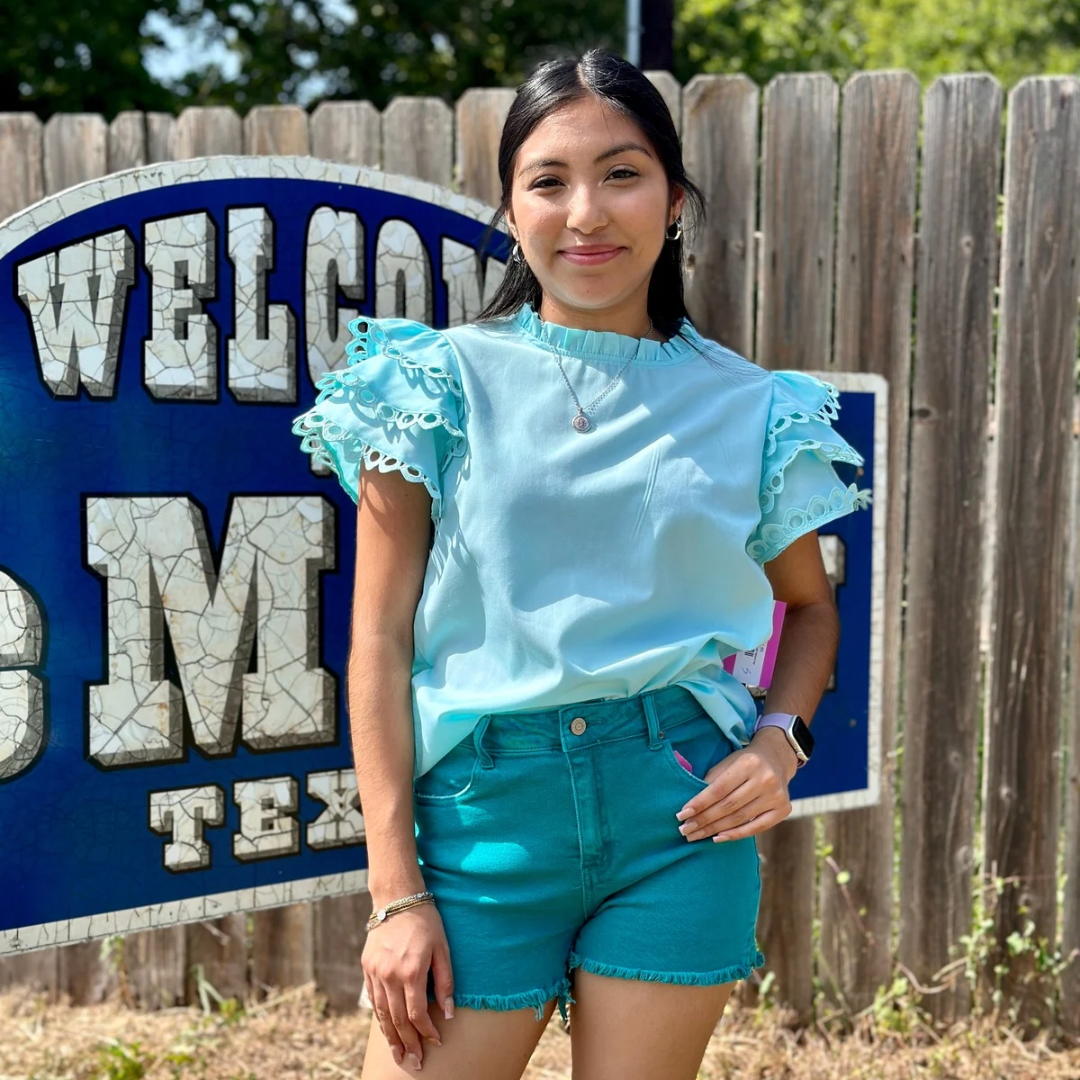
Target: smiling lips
(590,254)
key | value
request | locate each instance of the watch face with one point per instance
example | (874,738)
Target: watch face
(801,733)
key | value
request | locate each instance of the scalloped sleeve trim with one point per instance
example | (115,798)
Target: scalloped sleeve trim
(395,407)
(800,490)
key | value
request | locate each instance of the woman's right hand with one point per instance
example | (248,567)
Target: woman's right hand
(396,958)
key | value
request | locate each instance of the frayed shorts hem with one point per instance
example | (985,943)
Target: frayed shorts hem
(534,999)
(731,973)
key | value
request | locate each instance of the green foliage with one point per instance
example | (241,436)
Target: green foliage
(1007,38)
(936,37)
(289,49)
(767,38)
(58,56)
(122,1061)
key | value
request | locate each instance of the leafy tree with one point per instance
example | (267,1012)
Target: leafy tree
(763,38)
(1008,38)
(292,50)
(935,37)
(75,56)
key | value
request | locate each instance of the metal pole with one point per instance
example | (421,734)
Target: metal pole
(633,32)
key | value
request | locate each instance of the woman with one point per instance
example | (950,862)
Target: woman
(569,513)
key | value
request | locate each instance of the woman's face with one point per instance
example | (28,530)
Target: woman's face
(590,203)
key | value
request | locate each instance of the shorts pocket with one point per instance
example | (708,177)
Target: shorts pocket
(451,779)
(701,742)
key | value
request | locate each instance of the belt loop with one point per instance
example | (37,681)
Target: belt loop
(478,741)
(651,720)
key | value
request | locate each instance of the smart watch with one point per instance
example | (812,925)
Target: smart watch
(798,734)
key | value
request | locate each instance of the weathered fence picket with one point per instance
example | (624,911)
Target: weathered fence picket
(957,272)
(418,139)
(1036,358)
(720,148)
(874,280)
(347,131)
(127,142)
(478,126)
(795,282)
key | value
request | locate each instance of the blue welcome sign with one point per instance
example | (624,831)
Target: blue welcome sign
(176,577)
(846,769)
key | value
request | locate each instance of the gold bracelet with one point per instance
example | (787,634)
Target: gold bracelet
(396,906)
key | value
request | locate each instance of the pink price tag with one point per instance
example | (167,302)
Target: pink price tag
(755,667)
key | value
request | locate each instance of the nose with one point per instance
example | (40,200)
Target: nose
(585,211)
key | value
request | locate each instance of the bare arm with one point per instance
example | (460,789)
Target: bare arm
(747,791)
(392,529)
(809,639)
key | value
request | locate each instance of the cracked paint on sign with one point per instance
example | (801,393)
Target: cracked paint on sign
(175,580)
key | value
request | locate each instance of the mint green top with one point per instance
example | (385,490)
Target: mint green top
(570,566)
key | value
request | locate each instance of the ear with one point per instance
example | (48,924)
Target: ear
(508,217)
(678,202)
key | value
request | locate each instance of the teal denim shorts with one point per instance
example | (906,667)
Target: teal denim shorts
(550,841)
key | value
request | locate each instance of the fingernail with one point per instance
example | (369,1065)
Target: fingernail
(686,827)
(683,814)
(448,1008)
(414,1062)
(397,1055)
(720,836)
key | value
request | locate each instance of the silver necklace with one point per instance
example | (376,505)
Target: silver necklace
(581,423)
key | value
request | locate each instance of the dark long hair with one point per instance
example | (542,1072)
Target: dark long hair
(618,84)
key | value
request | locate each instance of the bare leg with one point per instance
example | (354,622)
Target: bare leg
(627,1029)
(478,1044)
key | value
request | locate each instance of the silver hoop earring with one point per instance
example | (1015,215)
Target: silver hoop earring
(678,230)
(515,254)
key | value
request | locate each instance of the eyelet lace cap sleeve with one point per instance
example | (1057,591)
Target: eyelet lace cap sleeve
(396,406)
(800,490)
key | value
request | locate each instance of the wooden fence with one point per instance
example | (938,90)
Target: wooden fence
(874,235)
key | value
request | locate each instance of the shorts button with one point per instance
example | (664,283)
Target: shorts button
(578,726)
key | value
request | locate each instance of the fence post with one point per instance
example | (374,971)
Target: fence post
(798,190)
(419,139)
(720,141)
(75,150)
(347,131)
(480,115)
(671,91)
(127,142)
(1036,357)
(874,278)
(277,129)
(957,272)
(202,131)
(1070,929)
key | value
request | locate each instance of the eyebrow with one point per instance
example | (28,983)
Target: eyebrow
(547,163)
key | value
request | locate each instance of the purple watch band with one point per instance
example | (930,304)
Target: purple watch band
(785,722)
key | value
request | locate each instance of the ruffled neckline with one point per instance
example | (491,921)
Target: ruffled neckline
(608,345)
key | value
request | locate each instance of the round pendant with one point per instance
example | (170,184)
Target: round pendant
(581,422)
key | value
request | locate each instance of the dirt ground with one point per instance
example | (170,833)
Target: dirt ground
(290,1035)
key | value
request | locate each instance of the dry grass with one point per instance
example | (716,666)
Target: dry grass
(290,1035)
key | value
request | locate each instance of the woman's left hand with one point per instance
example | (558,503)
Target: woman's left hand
(747,792)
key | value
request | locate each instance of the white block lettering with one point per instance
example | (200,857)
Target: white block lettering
(334,260)
(262,355)
(403,283)
(76,297)
(180,355)
(268,827)
(182,814)
(340,823)
(22,702)
(158,560)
